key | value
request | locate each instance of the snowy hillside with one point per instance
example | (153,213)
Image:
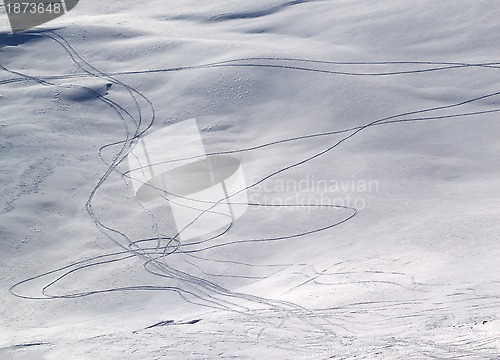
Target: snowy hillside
(353,161)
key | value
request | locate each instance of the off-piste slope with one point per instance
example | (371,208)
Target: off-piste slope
(367,134)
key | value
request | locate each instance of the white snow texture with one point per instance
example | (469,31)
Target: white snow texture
(368,137)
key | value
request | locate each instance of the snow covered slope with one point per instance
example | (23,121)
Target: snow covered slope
(367,133)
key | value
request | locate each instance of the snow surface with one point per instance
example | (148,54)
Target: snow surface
(402,101)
